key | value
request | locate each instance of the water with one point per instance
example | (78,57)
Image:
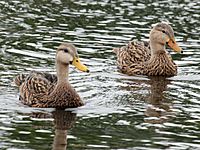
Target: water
(120,112)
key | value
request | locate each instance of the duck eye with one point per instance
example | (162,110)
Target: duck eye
(65,50)
(163,31)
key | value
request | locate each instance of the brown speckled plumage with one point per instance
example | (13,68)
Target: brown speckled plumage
(129,57)
(148,58)
(41,89)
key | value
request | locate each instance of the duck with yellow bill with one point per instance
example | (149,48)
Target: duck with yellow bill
(42,89)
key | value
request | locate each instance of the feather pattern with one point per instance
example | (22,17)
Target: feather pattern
(129,57)
(41,89)
(148,58)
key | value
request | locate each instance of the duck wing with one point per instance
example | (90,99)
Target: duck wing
(35,86)
(131,56)
(22,77)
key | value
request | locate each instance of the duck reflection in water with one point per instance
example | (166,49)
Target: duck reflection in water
(159,108)
(154,92)
(63,121)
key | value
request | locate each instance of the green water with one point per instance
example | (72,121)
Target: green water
(120,112)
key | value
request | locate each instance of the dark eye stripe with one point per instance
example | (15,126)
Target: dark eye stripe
(65,50)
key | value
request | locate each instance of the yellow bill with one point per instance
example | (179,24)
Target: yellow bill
(77,63)
(172,43)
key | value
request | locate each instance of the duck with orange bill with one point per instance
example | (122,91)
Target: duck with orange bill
(149,58)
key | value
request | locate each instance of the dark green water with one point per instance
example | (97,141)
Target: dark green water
(121,112)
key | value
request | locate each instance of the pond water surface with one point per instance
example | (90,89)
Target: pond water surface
(120,112)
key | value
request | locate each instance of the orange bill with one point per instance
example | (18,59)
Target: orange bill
(172,43)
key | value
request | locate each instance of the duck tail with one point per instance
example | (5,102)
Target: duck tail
(116,50)
(19,79)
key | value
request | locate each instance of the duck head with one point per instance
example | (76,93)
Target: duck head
(162,34)
(67,54)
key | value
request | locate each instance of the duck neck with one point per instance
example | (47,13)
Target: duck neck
(62,72)
(157,48)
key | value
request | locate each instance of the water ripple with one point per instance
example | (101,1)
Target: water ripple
(119,109)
